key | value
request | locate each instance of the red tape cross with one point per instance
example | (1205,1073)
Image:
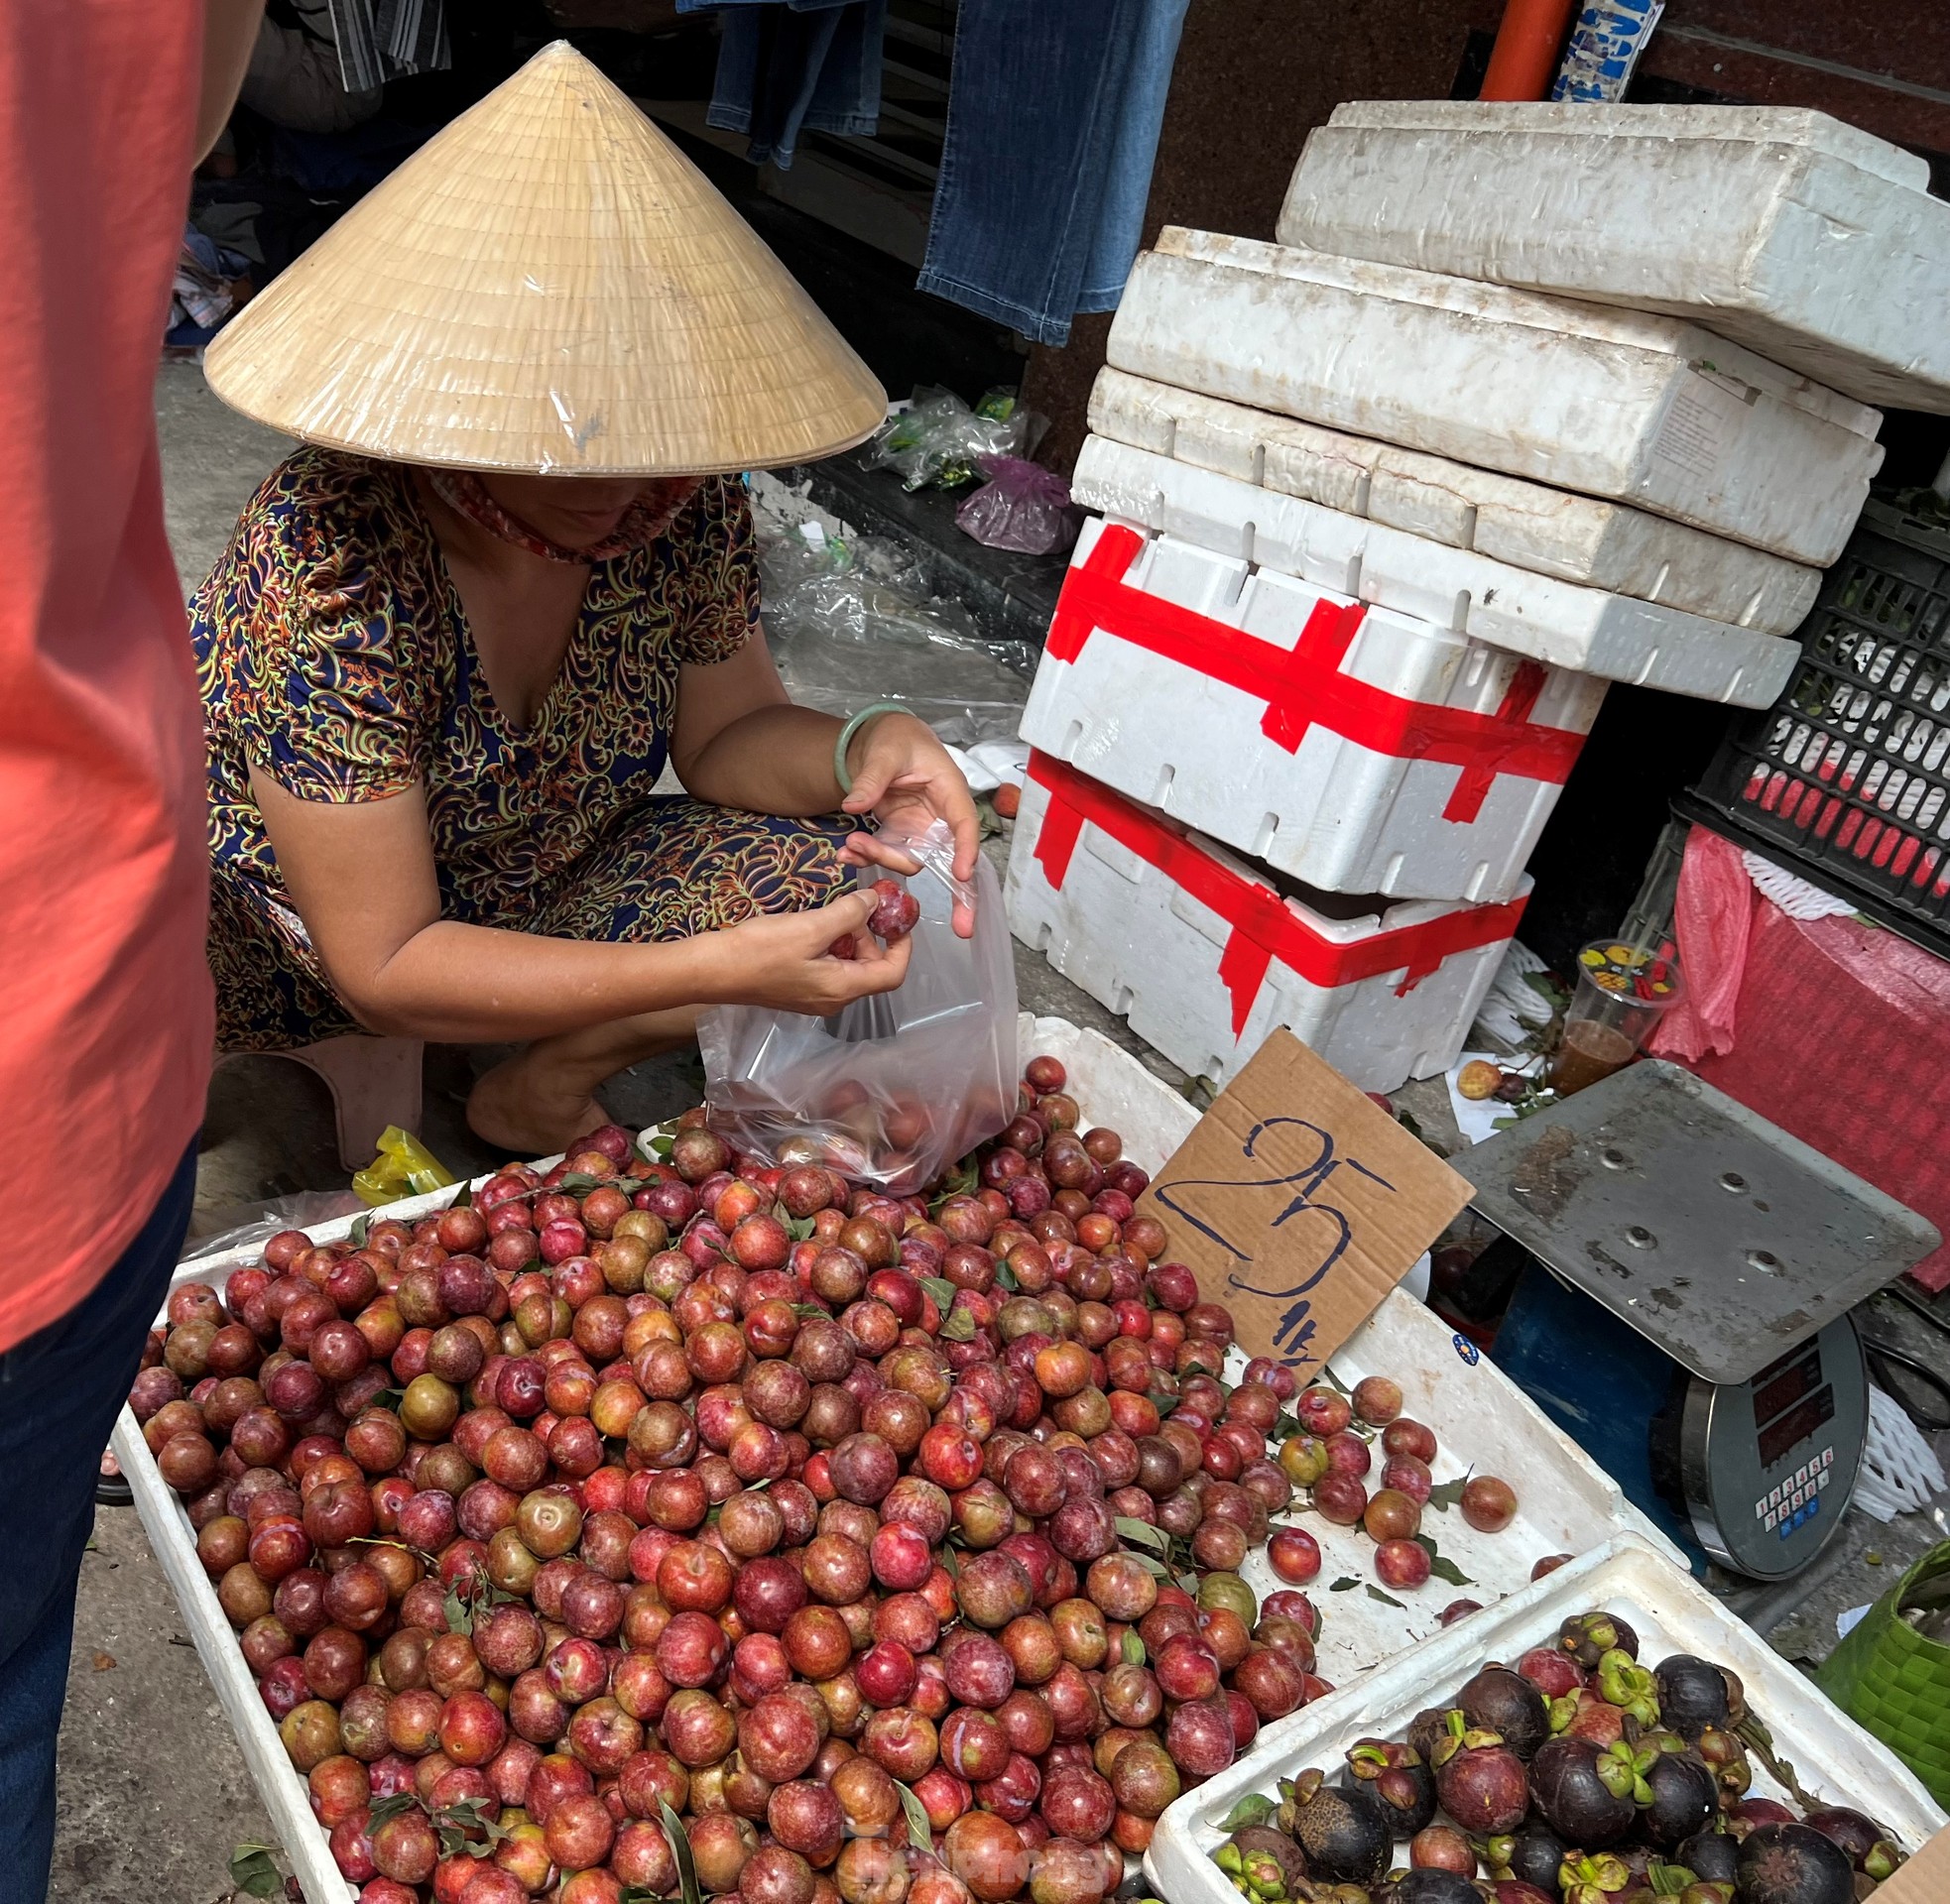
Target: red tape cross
(1262,927)
(1306,685)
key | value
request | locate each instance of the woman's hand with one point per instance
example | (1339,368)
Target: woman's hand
(904,778)
(783,961)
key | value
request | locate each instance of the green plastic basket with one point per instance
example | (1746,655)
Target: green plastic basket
(1896,1683)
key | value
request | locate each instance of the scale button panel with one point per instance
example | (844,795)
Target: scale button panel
(1795,1501)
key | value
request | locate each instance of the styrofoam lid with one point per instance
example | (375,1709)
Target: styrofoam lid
(1645,330)
(1745,125)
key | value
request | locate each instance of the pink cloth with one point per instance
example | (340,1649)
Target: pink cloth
(1713,921)
(1844,1031)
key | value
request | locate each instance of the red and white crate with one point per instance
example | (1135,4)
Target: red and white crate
(1355,748)
(1205,957)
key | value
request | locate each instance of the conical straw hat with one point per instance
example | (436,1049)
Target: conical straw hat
(547,285)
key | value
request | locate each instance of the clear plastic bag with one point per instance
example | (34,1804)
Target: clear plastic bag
(1022,507)
(896,1088)
(844,634)
(937,438)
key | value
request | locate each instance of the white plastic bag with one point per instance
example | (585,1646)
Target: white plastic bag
(896,1088)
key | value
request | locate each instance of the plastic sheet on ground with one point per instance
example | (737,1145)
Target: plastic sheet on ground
(847,626)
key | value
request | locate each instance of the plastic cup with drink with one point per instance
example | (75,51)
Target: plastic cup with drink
(1622,990)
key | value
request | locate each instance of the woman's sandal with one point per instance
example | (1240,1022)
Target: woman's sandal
(112,1487)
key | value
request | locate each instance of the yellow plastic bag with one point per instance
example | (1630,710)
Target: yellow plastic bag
(404,1167)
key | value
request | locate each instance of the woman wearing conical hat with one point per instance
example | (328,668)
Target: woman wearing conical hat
(459,635)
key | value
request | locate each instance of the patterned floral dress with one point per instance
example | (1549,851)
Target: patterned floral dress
(333,653)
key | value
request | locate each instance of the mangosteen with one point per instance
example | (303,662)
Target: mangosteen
(1589,1878)
(1585,1636)
(1792,1864)
(1536,1853)
(1623,1683)
(1499,1701)
(1684,1799)
(1692,1694)
(1869,1848)
(1514,1890)
(1577,1794)
(1480,1780)
(1269,1862)
(1430,1886)
(1398,1776)
(1726,1757)
(1344,1830)
(1752,1811)
(1427,1730)
(1710,1855)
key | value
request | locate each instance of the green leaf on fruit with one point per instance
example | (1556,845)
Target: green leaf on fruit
(811,1309)
(958,1326)
(1448,1494)
(1441,1566)
(360,1229)
(919,1834)
(1346,1583)
(1133,1647)
(1334,1381)
(681,1851)
(949,1564)
(464,1197)
(578,1184)
(1153,1565)
(390,1398)
(1251,1811)
(1387,1600)
(253,1872)
(392,1808)
(799,1229)
(1284,1428)
(663,1146)
(1163,1402)
(942,1290)
(1007,1278)
(1143,1532)
(460,1619)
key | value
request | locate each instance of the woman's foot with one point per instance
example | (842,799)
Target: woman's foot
(527,1111)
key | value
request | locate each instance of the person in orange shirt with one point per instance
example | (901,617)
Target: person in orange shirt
(106,107)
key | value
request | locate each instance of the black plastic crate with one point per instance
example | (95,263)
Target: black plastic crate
(1847,776)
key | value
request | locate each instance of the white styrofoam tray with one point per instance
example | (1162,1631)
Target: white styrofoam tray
(1335,812)
(1134,937)
(1578,539)
(1642,409)
(1805,239)
(1566,1500)
(1833,1757)
(1562,624)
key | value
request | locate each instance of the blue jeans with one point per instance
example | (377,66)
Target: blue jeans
(60,1392)
(1053,117)
(806,64)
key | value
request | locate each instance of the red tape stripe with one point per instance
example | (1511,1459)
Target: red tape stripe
(1308,686)
(1262,927)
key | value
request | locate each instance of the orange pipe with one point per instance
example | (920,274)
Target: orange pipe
(1529,42)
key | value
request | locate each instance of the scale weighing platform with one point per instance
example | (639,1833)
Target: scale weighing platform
(1693,1333)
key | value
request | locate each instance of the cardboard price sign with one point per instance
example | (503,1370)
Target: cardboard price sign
(1300,1203)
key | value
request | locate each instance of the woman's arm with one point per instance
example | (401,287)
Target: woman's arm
(362,878)
(738,741)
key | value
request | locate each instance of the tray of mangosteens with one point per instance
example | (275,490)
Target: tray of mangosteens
(1612,1735)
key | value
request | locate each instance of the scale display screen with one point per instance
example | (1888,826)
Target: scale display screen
(1795,1377)
(1796,1425)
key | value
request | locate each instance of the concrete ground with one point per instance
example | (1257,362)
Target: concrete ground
(155,1794)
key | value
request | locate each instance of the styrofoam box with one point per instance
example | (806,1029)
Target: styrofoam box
(1642,409)
(1578,539)
(1145,948)
(1566,1503)
(1833,1757)
(1332,812)
(1560,624)
(1800,237)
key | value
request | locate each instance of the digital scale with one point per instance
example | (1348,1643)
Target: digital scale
(1684,1311)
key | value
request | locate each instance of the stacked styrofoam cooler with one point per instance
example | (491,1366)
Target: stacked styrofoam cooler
(1373,540)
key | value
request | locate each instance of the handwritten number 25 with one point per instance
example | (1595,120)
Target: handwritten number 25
(1294,1328)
